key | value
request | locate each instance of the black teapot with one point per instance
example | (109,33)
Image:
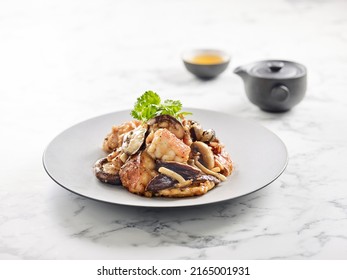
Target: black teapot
(274,85)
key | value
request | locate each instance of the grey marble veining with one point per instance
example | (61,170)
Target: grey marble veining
(65,61)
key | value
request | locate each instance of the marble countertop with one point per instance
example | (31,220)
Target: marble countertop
(62,62)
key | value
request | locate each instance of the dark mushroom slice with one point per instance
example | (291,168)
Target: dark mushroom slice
(208,135)
(161,182)
(188,172)
(106,172)
(195,130)
(168,122)
(197,133)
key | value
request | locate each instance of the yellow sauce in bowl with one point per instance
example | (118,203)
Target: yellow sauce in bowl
(207,59)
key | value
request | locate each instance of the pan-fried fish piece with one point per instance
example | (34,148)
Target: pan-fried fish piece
(137,172)
(167,147)
(114,139)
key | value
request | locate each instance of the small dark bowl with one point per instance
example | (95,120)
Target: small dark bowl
(208,70)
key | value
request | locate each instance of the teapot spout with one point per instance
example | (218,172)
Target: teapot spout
(241,71)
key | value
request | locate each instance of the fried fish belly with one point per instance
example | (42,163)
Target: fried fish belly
(195,189)
(137,172)
(114,139)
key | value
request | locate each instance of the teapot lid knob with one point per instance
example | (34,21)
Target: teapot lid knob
(275,66)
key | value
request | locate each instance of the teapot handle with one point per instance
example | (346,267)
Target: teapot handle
(280,93)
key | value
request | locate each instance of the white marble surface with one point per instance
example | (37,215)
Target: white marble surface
(65,61)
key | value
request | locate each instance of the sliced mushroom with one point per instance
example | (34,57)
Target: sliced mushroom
(189,173)
(208,135)
(204,153)
(106,172)
(195,130)
(133,140)
(186,171)
(168,122)
(198,134)
(160,182)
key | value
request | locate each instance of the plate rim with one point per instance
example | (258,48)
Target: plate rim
(253,122)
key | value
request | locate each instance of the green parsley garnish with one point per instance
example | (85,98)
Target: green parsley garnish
(149,105)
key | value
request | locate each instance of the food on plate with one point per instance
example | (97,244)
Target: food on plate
(162,153)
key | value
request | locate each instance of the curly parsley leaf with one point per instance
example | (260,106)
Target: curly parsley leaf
(149,105)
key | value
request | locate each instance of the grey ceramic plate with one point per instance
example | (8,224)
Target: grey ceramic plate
(259,157)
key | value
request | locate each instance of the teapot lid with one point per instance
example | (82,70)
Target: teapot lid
(277,69)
